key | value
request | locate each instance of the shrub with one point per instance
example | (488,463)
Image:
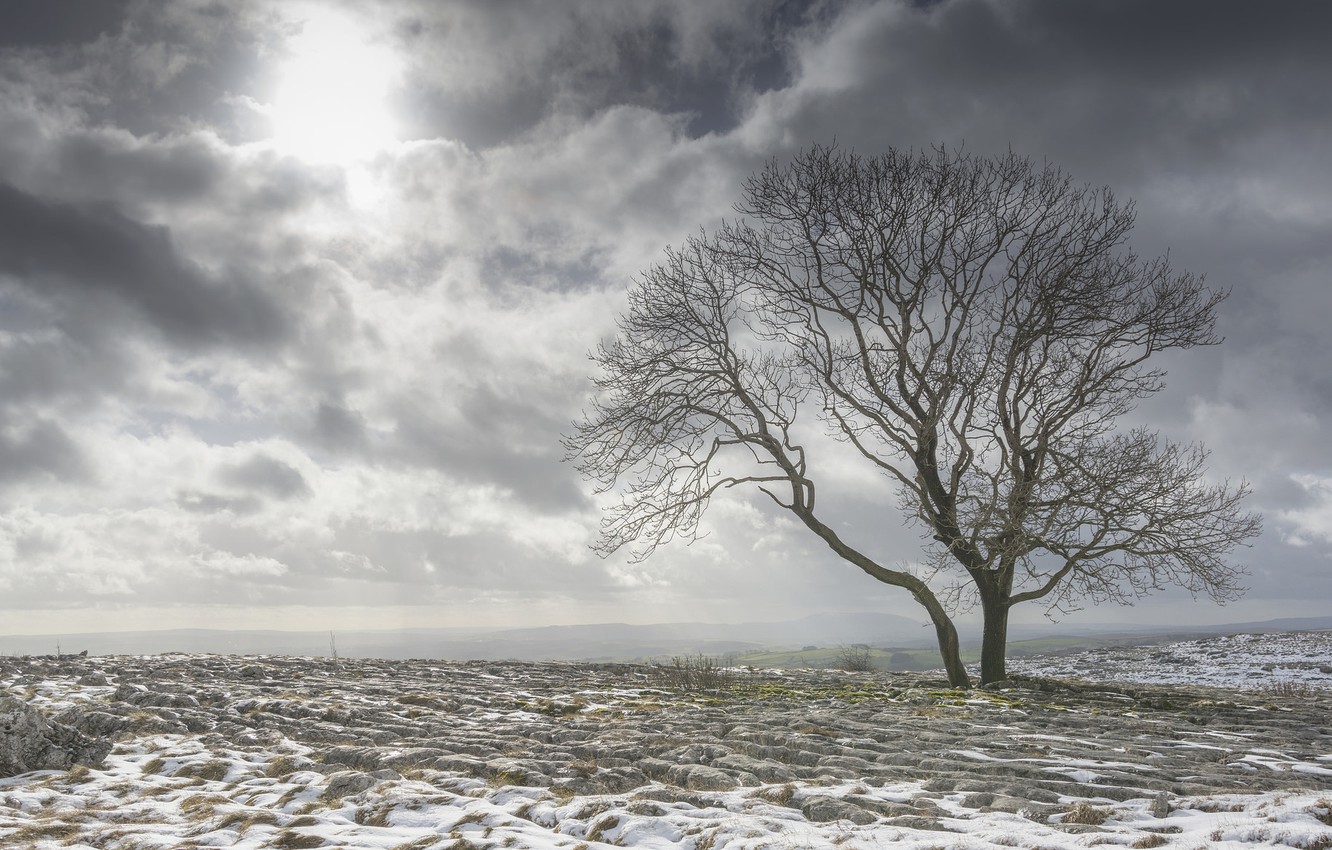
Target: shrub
(1289,689)
(691,674)
(855,658)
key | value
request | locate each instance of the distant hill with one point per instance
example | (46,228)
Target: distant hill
(600,641)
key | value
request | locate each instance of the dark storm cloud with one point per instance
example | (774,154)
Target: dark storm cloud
(267,475)
(54,364)
(147,67)
(1194,38)
(1214,116)
(43,22)
(95,252)
(1209,114)
(497,439)
(1112,90)
(702,60)
(504,263)
(337,428)
(181,169)
(179,64)
(40,449)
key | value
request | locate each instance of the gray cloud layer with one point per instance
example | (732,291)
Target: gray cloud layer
(96,255)
(232,372)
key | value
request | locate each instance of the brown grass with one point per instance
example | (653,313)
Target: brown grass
(200,806)
(281,767)
(289,840)
(1085,813)
(214,770)
(1322,812)
(779,794)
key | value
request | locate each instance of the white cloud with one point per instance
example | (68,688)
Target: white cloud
(1313,521)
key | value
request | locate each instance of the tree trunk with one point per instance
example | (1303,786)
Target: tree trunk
(950,651)
(949,647)
(994,640)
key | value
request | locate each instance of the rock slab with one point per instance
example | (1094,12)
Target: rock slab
(29,741)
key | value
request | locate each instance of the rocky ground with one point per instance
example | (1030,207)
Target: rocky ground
(1241,661)
(298,752)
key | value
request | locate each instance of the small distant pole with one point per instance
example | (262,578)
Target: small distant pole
(59,654)
(333,650)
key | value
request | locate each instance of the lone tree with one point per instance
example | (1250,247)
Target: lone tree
(974,328)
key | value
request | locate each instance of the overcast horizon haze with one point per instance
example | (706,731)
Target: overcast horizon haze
(296,298)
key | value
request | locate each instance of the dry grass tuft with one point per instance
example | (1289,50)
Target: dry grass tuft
(1085,813)
(606,823)
(201,806)
(289,840)
(214,770)
(153,765)
(41,833)
(244,820)
(378,816)
(778,794)
(78,773)
(281,767)
(1322,812)
(477,816)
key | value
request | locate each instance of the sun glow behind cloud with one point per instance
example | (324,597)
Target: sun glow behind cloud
(332,101)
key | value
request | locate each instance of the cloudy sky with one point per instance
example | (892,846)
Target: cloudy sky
(296,298)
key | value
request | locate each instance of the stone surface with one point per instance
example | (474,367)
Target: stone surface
(29,741)
(825,809)
(1023,747)
(1161,805)
(345,783)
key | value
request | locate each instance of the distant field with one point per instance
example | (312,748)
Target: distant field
(927,658)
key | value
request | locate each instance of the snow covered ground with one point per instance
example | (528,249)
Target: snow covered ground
(1289,661)
(172,792)
(295,755)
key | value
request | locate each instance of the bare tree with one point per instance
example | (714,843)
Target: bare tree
(974,328)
